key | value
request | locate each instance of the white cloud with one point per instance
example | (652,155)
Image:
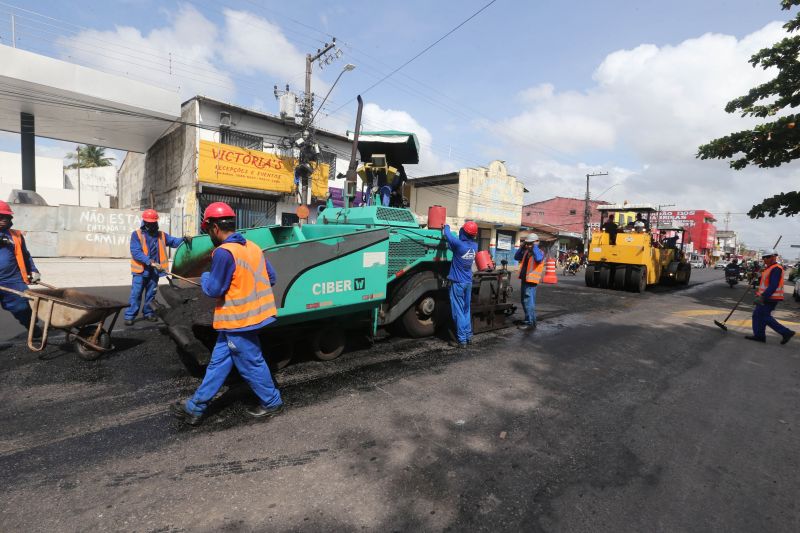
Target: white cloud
(255,45)
(651,107)
(181,56)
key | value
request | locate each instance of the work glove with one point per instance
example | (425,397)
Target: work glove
(156,267)
(188,240)
(758,300)
(34,277)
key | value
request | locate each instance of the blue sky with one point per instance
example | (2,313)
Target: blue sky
(554,88)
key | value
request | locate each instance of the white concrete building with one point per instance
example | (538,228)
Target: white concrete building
(59,186)
(61,100)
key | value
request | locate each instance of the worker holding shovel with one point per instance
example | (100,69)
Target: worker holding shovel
(148,263)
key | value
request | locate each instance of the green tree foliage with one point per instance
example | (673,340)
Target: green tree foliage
(89,156)
(772,143)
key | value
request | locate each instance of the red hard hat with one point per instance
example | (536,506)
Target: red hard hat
(216,210)
(470,228)
(5,209)
(150,215)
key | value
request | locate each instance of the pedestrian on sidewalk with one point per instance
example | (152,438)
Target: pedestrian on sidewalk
(464,248)
(531,261)
(241,280)
(148,263)
(768,293)
(17,269)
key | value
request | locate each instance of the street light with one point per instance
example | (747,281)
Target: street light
(605,191)
(348,67)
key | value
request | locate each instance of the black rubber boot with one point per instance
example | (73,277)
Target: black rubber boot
(260,411)
(180,413)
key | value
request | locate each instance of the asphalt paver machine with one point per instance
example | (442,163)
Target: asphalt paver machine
(356,270)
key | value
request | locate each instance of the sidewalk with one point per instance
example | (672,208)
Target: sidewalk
(89,272)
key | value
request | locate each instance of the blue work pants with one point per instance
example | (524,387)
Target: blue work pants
(460,298)
(16,305)
(762,317)
(142,284)
(529,302)
(243,350)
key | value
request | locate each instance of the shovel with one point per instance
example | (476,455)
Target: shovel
(722,325)
(187,280)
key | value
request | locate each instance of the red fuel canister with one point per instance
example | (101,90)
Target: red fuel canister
(436,217)
(484,261)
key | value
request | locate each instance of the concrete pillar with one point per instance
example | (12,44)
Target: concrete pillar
(28,151)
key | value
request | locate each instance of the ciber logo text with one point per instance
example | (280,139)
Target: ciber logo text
(342,285)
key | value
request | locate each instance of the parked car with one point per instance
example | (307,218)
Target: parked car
(697,263)
(719,265)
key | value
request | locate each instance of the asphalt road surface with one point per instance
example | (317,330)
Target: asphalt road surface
(621,412)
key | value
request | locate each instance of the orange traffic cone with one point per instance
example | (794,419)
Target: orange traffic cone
(550,272)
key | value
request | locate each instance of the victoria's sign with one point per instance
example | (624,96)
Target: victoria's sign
(239,167)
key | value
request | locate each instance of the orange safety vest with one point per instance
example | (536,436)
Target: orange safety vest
(535,270)
(249,299)
(137,267)
(777,296)
(17,239)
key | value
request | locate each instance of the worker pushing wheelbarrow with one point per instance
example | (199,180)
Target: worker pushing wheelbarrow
(82,316)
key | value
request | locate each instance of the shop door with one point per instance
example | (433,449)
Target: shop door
(505,246)
(250,212)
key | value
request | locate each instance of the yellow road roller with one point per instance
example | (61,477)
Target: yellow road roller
(636,255)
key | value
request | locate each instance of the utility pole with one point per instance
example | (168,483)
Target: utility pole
(727,220)
(587,213)
(13,31)
(308,98)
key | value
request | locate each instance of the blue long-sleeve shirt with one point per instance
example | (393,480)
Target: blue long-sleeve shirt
(464,249)
(217,281)
(774,280)
(137,253)
(9,269)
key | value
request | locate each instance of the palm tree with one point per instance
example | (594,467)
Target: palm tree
(89,156)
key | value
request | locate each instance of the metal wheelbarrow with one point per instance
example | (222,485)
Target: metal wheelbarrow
(83,316)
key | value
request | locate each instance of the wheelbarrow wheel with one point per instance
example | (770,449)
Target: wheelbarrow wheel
(85,352)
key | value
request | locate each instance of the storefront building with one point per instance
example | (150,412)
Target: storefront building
(701,233)
(222,152)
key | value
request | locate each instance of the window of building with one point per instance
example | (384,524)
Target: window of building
(250,212)
(287,219)
(572,212)
(241,139)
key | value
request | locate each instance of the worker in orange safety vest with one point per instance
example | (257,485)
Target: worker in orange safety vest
(16,269)
(149,263)
(531,268)
(768,293)
(241,280)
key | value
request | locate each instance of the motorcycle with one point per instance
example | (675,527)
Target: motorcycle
(731,278)
(571,269)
